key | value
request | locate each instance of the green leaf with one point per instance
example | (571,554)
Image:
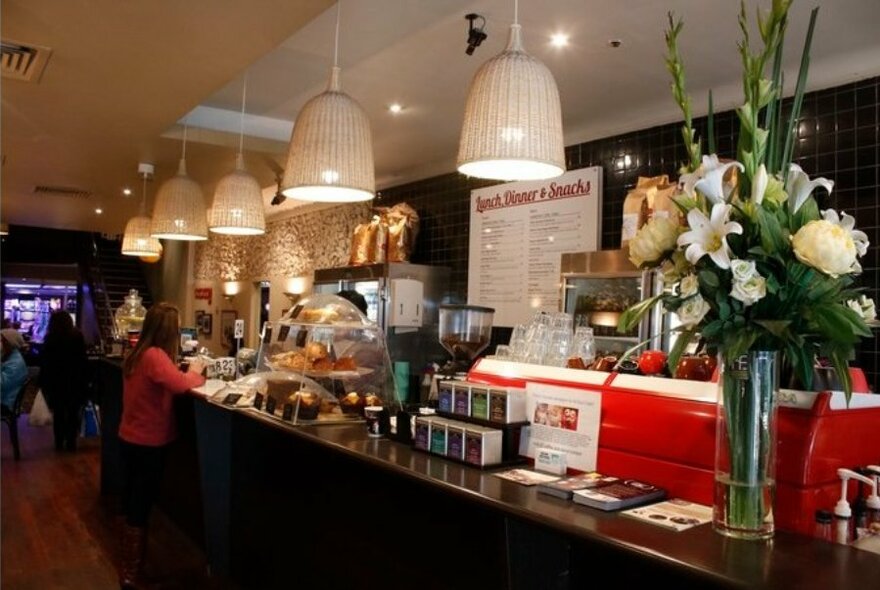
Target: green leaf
(630,318)
(724,310)
(773,239)
(798,101)
(708,279)
(778,328)
(841,366)
(712,329)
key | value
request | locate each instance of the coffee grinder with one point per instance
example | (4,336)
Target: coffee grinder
(465,331)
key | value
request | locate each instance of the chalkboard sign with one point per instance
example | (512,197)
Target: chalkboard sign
(267,333)
(270,405)
(283,331)
(287,413)
(258,401)
(231,399)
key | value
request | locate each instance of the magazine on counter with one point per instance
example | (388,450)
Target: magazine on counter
(618,495)
(564,488)
(526,477)
(675,514)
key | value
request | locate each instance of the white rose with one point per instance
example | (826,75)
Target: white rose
(743,270)
(856,307)
(692,311)
(689,286)
(749,291)
(869,312)
(653,240)
(826,247)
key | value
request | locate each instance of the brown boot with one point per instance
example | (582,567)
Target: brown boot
(133,541)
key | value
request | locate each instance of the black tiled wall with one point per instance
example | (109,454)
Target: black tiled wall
(837,139)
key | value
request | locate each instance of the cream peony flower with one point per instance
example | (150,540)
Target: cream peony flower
(709,235)
(799,186)
(743,270)
(749,291)
(653,240)
(689,286)
(692,311)
(826,247)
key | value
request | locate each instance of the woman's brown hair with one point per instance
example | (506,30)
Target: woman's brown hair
(161,329)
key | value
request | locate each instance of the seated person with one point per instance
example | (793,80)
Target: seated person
(14,370)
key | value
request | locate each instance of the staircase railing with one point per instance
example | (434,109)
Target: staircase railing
(100,297)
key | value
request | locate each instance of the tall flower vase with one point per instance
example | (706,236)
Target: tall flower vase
(745,446)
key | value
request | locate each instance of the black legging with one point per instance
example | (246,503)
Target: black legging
(142,476)
(65,424)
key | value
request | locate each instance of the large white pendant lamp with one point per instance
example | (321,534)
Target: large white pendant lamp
(330,158)
(180,212)
(238,199)
(512,121)
(137,241)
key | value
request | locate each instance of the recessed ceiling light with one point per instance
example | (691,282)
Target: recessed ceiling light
(615,43)
(98,211)
(395,108)
(126,191)
(559,40)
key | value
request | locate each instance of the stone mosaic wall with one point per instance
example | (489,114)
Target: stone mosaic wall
(290,247)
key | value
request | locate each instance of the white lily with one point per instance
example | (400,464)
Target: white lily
(712,184)
(848,222)
(759,184)
(799,186)
(708,235)
(688,181)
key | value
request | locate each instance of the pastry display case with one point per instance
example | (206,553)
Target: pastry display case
(323,362)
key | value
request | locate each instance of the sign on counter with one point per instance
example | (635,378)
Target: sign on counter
(518,233)
(563,419)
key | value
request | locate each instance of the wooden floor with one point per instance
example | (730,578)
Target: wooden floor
(56,531)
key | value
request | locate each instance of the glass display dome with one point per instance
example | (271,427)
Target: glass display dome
(327,357)
(130,316)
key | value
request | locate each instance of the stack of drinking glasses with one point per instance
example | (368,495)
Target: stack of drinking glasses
(548,340)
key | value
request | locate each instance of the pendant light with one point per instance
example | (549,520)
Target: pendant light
(180,213)
(512,121)
(137,240)
(238,200)
(330,158)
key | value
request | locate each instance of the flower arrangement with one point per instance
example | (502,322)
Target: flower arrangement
(756,265)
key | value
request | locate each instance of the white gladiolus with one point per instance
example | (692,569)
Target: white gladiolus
(689,286)
(759,184)
(692,311)
(826,247)
(709,235)
(749,291)
(653,240)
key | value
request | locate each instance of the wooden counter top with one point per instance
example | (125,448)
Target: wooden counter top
(788,561)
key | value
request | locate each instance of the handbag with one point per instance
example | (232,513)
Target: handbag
(40,414)
(91,425)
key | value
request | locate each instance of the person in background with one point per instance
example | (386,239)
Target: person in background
(150,381)
(16,338)
(64,377)
(14,370)
(356,298)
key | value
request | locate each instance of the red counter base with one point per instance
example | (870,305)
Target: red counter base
(663,431)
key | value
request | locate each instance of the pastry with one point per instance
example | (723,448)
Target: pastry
(322,365)
(373,400)
(279,390)
(309,405)
(352,403)
(345,363)
(328,405)
(316,350)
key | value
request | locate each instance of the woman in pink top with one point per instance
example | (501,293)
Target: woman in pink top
(151,380)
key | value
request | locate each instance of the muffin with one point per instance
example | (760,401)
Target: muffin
(309,405)
(372,400)
(352,403)
(316,350)
(345,363)
(322,365)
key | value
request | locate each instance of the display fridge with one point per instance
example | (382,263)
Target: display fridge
(597,287)
(402,298)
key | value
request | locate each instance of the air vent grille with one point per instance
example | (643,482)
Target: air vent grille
(62,191)
(23,62)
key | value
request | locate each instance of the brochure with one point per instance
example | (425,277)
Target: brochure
(525,477)
(675,514)
(621,494)
(564,488)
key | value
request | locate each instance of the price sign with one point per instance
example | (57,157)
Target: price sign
(270,405)
(267,333)
(258,401)
(238,332)
(225,367)
(287,413)
(283,331)
(231,399)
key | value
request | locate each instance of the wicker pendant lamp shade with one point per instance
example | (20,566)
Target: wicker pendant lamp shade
(180,212)
(238,204)
(513,121)
(137,241)
(330,159)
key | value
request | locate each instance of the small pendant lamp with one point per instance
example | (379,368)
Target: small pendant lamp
(180,212)
(330,158)
(238,199)
(512,120)
(137,241)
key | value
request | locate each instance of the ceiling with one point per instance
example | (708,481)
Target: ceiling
(123,75)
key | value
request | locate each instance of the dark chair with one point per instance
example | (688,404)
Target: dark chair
(10,415)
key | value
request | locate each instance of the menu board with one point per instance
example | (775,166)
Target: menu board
(518,234)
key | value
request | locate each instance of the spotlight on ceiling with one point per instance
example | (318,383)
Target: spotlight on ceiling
(476,35)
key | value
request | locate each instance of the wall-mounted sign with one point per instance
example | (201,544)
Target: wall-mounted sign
(518,234)
(206,293)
